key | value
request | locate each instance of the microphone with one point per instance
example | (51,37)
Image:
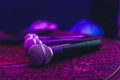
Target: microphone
(40,54)
(56,37)
(32,38)
(64,41)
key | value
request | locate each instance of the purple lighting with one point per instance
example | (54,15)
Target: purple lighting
(44,24)
(53,26)
(40,25)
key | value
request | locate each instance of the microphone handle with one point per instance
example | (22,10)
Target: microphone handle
(64,41)
(75,49)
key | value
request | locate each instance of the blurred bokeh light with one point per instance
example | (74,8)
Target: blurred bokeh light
(85,26)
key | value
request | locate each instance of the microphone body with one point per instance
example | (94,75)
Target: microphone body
(75,49)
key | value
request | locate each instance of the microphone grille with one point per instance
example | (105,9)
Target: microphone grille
(31,36)
(49,54)
(40,54)
(36,55)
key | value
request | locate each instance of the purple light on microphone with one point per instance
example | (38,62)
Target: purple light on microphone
(31,39)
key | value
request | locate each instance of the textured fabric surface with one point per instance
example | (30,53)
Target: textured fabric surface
(93,66)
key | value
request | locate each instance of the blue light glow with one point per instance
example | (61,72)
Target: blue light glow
(86,26)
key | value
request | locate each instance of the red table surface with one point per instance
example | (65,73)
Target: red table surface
(93,66)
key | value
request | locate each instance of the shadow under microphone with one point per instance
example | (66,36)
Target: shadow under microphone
(41,54)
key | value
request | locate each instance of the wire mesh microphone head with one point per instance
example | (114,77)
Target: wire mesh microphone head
(31,39)
(31,36)
(40,54)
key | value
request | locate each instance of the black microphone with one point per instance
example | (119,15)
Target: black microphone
(64,41)
(31,39)
(40,54)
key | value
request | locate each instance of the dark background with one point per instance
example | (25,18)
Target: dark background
(16,15)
